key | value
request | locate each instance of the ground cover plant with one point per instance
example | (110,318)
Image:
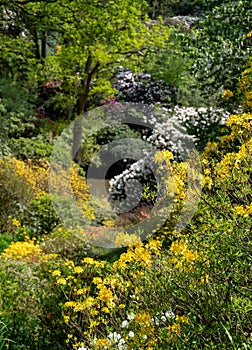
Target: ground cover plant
(181,286)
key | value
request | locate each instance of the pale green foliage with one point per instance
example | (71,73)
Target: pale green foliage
(95,40)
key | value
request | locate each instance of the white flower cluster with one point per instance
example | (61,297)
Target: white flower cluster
(125,190)
(163,318)
(177,130)
(204,123)
(117,341)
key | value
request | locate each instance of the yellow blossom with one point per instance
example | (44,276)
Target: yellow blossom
(174,328)
(143,318)
(89,301)
(66,319)
(105,309)
(78,269)
(16,223)
(102,342)
(227,94)
(21,250)
(182,319)
(61,281)
(56,273)
(89,261)
(82,291)
(97,280)
(70,304)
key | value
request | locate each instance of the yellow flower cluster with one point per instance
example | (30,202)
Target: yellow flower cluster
(35,175)
(175,184)
(106,295)
(227,94)
(22,250)
(163,156)
(125,239)
(83,305)
(182,254)
(235,160)
(243,211)
(135,254)
(245,85)
(143,318)
(67,182)
(16,223)
(102,343)
(91,261)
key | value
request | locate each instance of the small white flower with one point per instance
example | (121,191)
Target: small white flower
(131,316)
(125,324)
(131,334)
(114,337)
(163,318)
(169,314)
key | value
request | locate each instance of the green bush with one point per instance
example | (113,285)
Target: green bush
(5,240)
(40,217)
(37,147)
(29,305)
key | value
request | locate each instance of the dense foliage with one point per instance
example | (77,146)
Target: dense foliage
(169,75)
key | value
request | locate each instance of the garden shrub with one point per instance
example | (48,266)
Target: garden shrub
(29,301)
(40,217)
(5,240)
(36,147)
(66,244)
(185,125)
(16,119)
(141,88)
(23,194)
(20,182)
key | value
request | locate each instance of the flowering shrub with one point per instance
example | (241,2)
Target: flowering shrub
(141,88)
(23,194)
(112,297)
(178,128)
(245,86)
(21,250)
(19,184)
(29,301)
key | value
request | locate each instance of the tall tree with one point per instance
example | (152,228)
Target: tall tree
(95,39)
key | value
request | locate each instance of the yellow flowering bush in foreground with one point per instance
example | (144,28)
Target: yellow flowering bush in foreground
(107,304)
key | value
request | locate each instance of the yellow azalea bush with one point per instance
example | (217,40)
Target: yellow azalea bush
(22,250)
(24,193)
(108,304)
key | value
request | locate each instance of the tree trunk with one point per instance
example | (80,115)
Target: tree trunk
(43,44)
(37,48)
(80,105)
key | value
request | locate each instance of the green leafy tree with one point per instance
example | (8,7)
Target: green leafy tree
(96,39)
